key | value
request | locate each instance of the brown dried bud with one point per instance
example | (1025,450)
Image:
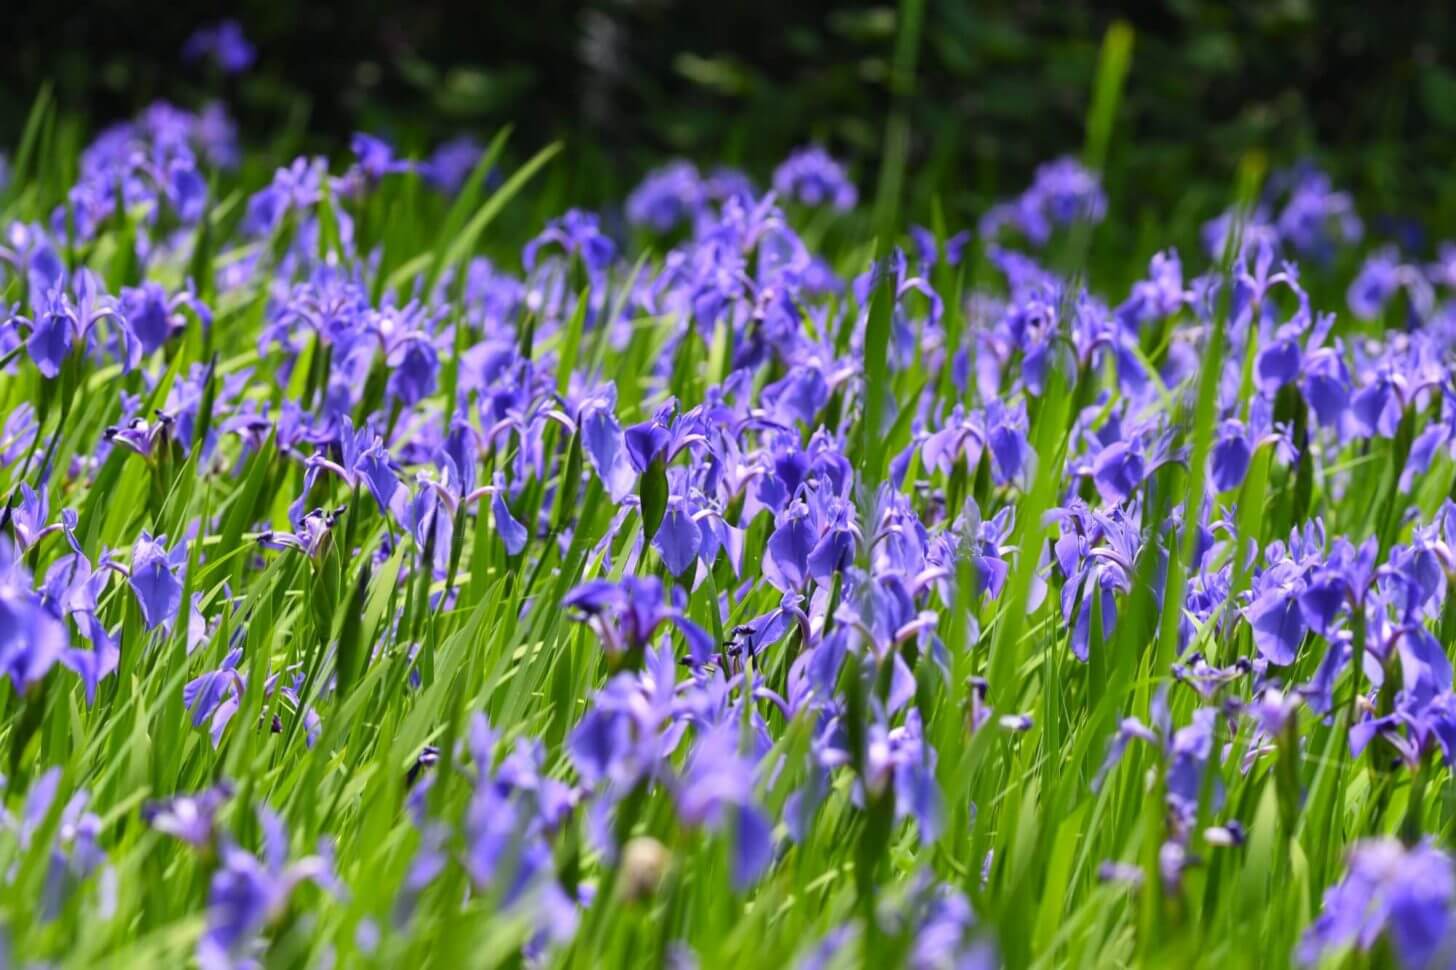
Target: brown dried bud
(644,863)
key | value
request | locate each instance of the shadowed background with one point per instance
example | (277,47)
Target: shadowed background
(1001,86)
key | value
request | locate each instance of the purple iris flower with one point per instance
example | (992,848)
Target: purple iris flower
(32,638)
(799,395)
(1097,553)
(1067,191)
(1316,217)
(1207,679)
(61,324)
(579,234)
(1274,614)
(462,447)
(717,791)
(362,459)
(512,532)
(511,812)
(1188,755)
(903,331)
(937,920)
(1434,439)
(72,589)
(1013,459)
(376,156)
(605,445)
(724,183)
(297,186)
(928,252)
(247,892)
(679,538)
(154,577)
(839,538)
(1062,192)
(1278,363)
(631,726)
(154,317)
(650,439)
(380,472)
(901,755)
(30,519)
(1404,894)
(629,613)
(186,190)
(1159,296)
(810,177)
(1186,752)
(215,695)
(947,935)
(430,515)
(28,253)
(1327,385)
(1255,277)
(1374,285)
(1376,408)
(451,164)
(146,438)
(786,559)
(190,818)
(76,851)
(224,43)
(1118,470)
(311,538)
(97,663)
(983,545)
(667,197)
(1229,460)
(962,435)
(414,368)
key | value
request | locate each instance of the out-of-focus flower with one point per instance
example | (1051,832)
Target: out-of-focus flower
(247,892)
(32,638)
(811,177)
(190,818)
(667,197)
(1404,894)
(224,43)
(451,163)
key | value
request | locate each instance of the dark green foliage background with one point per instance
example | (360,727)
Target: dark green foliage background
(1369,90)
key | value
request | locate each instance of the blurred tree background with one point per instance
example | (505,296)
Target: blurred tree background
(1368,92)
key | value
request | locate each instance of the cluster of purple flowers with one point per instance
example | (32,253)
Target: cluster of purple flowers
(153,166)
(1061,193)
(752,573)
(811,177)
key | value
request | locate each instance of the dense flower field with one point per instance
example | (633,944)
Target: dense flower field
(394,572)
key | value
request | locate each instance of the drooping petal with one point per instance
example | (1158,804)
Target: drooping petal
(678,540)
(512,533)
(787,558)
(752,846)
